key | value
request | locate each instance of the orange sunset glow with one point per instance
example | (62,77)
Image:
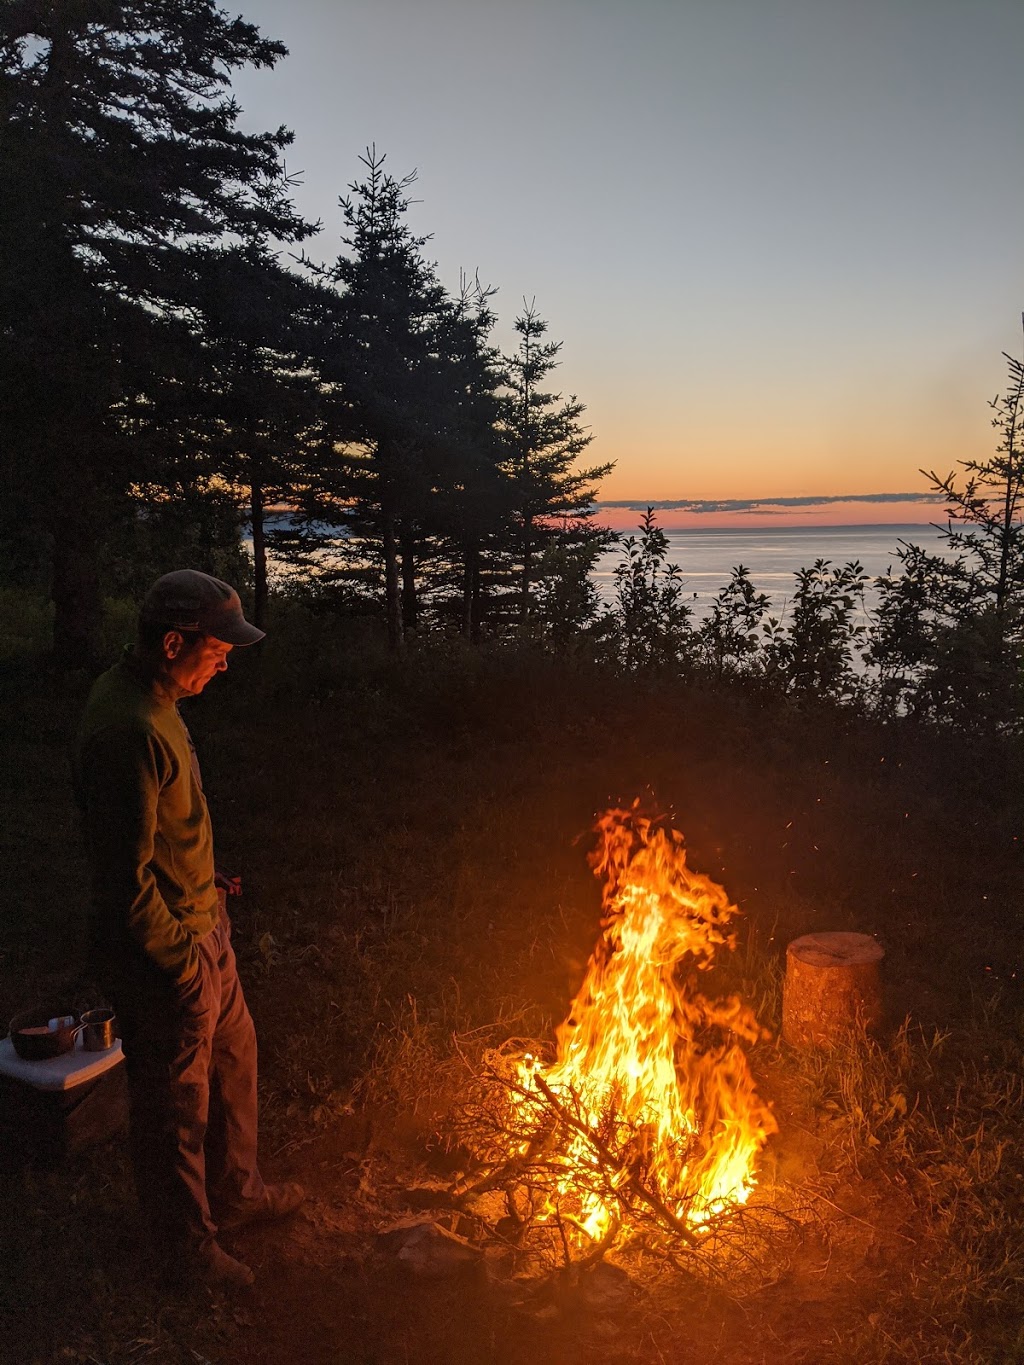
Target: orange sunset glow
(809,512)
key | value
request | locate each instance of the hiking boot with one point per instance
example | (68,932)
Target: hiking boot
(278,1202)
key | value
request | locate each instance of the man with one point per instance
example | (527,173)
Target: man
(161,936)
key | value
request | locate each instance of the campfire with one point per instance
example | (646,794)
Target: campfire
(647,1116)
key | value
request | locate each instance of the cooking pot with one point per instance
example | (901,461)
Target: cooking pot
(33,1038)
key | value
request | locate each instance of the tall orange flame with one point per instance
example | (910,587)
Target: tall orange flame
(645,1056)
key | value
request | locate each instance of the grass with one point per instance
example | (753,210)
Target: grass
(412,842)
(936,1119)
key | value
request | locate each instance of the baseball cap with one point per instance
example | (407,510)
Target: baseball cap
(189,600)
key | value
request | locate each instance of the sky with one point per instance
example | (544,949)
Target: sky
(780,240)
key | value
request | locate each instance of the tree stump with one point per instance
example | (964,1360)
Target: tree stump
(833,988)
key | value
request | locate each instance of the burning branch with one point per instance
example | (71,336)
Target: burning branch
(610,1167)
(648,1116)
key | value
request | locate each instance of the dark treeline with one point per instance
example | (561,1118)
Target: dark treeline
(174,365)
(178,360)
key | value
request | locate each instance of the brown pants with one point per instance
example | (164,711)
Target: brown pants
(191,1062)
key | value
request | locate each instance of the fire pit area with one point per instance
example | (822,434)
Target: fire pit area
(646,1116)
(639,1130)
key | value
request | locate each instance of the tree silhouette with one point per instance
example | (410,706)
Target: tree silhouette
(552,499)
(120,155)
(413,407)
(470,493)
(949,631)
(258,396)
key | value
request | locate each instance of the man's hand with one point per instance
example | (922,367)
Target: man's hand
(229,883)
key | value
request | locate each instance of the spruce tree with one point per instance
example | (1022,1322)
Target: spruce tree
(553,500)
(120,154)
(948,635)
(383,362)
(471,494)
(256,411)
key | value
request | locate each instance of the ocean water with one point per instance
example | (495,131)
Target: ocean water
(772,556)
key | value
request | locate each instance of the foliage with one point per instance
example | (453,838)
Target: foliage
(410,465)
(552,500)
(939,1112)
(728,636)
(568,612)
(651,619)
(812,654)
(948,640)
(254,398)
(387,312)
(121,156)
(808,656)
(438,458)
(987,511)
(471,495)
(195,523)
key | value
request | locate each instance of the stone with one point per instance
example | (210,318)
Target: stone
(427,1250)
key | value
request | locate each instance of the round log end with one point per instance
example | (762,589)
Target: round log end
(832,989)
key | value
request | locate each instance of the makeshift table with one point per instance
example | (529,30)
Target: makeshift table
(53,1107)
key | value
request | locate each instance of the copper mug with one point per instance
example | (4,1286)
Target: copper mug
(98,1030)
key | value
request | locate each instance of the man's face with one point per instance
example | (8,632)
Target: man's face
(192,663)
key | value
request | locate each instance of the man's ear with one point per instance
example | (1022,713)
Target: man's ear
(172,644)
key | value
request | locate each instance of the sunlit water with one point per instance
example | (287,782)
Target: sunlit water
(772,555)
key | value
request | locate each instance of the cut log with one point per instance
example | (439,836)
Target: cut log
(833,988)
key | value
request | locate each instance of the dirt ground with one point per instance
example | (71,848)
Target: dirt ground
(327,1292)
(330,1289)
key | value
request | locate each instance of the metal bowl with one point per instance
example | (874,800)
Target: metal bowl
(34,1041)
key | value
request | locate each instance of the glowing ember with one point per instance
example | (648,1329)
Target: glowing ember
(651,1095)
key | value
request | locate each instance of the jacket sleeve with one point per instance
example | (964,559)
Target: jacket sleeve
(120,775)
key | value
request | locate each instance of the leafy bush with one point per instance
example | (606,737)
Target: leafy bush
(650,619)
(813,655)
(728,639)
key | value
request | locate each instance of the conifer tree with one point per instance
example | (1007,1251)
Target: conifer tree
(383,360)
(948,635)
(552,499)
(120,152)
(258,394)
(470,490)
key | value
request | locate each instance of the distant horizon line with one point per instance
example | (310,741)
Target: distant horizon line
(811,526)
(707,505)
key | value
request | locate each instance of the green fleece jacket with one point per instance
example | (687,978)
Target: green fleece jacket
(147,827)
